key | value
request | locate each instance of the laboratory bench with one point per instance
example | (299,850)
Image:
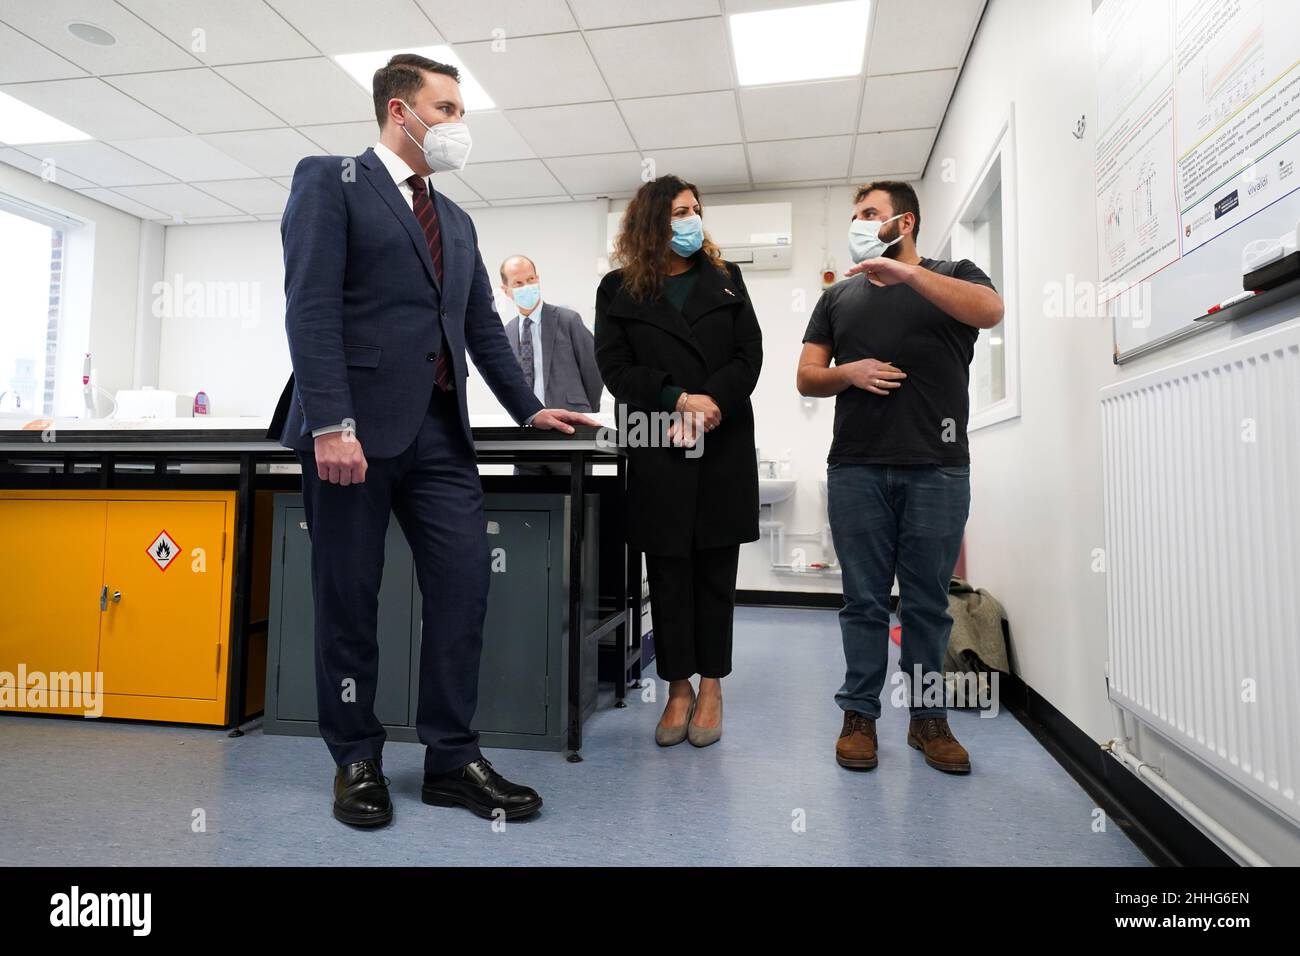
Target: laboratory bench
(96,512)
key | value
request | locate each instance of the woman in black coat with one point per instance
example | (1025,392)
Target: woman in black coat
(680,349)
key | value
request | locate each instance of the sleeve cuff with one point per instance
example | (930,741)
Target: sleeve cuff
(668,396)
(326,429)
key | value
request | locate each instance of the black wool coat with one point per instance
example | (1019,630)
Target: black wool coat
(712,346)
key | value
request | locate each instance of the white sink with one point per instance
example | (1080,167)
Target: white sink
(772,490)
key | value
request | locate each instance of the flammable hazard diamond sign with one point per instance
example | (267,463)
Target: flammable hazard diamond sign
(163,550)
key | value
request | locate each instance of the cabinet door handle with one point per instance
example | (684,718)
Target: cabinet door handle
(103,598)
(117,596)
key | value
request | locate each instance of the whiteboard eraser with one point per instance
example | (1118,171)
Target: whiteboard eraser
(1261,252)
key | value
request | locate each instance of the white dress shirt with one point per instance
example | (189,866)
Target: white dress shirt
(401,172)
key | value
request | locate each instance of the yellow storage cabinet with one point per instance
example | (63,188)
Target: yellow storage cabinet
(134,585)
(51,570)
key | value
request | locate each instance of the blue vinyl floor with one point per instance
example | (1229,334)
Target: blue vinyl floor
(98,793)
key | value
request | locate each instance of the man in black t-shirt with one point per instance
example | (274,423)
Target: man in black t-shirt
(901,331)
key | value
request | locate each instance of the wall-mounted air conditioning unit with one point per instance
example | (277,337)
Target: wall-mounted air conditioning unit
(753,235)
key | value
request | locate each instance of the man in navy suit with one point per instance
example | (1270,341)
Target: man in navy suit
(385,290)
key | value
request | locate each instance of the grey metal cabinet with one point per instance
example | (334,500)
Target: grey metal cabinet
(523,681)
(291,605)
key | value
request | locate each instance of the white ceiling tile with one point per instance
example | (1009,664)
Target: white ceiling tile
(495,140)
(343,139)
(344,26)
(461,21)
(45,167)
(594,14)
(253,196)
(271,152)
(110,198)
(26,61)
(232,31)
(94,107)
(914,35)
(906,100)
(303,92)
(799,183)
(199,100)
(817,158)
(275,218)
(617,172)
(285,181)
(178,200)
(213,220)
(822,108)
(477,204)
(572,130)
(453,188)
(188,158)
(688,56)
(690,119)
(512,180)
(138,47)
(99,163)
(903,151)
(702,165)
(536,71)
(532,201)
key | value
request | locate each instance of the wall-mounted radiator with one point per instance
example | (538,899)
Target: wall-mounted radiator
(1202,500)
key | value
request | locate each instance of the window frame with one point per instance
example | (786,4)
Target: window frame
(73,331)
(997,169)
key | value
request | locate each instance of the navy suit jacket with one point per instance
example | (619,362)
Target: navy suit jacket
(365,313)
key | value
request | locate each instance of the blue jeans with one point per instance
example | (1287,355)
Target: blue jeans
(895,519)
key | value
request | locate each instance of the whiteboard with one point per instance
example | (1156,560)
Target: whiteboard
(1197,153)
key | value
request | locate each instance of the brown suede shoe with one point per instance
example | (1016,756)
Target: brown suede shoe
(856,748)
(942,752)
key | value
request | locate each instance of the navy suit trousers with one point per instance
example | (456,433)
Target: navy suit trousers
(434,490)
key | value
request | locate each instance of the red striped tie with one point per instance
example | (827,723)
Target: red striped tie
(422,205)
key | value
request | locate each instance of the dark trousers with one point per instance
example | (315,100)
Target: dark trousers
(692,603)
(895,519)
(433,488)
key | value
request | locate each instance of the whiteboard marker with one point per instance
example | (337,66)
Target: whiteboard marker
(1240,297)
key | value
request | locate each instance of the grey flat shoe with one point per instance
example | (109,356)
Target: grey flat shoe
(703,736)
(671,736)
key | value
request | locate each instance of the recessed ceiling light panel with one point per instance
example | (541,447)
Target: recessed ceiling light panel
(20,123)
(800,43)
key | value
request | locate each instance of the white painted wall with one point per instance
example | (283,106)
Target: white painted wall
(1036,512)
(237,353)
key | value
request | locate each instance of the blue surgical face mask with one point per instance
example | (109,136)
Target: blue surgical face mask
(688,235)
(864,238)
(527,296)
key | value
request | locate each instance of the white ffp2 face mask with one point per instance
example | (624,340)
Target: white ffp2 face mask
(445,146)
(864,238)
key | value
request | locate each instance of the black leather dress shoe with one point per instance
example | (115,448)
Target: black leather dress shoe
(480,788)
(361,794)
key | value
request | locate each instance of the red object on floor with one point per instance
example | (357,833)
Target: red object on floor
(896,634)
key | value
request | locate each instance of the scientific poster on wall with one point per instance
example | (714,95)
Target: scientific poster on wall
(1198,115)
